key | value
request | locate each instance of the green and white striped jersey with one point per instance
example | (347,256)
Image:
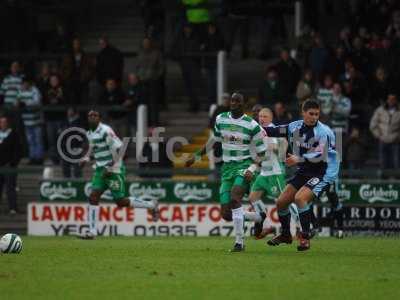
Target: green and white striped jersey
(272,164)
(105,144)
(325,98)
(9,88)
(239,137)
(31,114)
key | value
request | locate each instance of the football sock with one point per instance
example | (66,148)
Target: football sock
(259,206)
(305,219)
(238,223)
(284,218)
(252,216)
(93,215)
(138,203)
(314,220)
(338,215)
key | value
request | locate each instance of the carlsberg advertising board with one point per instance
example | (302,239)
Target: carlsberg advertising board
(207,192)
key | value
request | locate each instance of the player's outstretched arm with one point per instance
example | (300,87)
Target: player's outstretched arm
(206,148)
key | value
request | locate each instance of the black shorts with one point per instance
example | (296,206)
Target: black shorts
(314,183)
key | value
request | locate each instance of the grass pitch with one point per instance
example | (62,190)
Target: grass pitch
(200,268)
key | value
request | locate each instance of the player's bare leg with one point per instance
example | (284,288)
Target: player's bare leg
(282,204)
(259,214)
(237,194)
(93,215)
(302,198)
(152,206)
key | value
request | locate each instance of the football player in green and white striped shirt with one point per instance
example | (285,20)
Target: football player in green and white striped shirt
(109,172)
(238,134)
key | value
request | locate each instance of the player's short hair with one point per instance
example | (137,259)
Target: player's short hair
(238,95)
(310,104)
(95,110)
(266,110)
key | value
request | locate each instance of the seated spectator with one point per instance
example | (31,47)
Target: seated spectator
(345,40)
(71,169)
(109,62)
(29,100)
(355,153)
(325,98)
(281,115)
(341,108)
(270,91)
(289,74)
(52,98)
(306,87)
(10,149)
(318,57)
(117,116)
(11,85)
(385,127)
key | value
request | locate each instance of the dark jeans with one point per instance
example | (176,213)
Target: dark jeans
(68,167)
(52,129)
(389,155)
(10,181)
(35,141)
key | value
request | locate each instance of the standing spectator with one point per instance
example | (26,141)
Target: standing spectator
(289,74)
(380,87)
(318,57)
(43,81)
(185,50)
(341,108)
(115,97)
(325,98)
(386,57)
(336,63)
(213,43)
(197,15)
(385,126)
(73,120)
(355,150)
(109,62)
(52,99)
(306,87)
(134,97)
(238,17)
(77,71)
(150,69)
(345,40)
(270,91)
(11,85)
(10,149)
(360,56)
(281,115)
(304,45)
(29,101)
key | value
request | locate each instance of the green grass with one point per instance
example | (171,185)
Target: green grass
(200,268)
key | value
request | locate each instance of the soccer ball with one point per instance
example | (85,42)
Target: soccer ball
(10,243)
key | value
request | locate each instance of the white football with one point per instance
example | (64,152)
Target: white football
(10,243)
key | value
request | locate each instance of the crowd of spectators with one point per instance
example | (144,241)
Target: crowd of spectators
(351,77)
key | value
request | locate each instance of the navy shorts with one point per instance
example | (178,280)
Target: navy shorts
(314,183)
